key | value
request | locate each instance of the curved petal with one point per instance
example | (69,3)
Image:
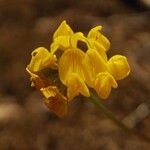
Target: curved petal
(70,61)
(89,71)
(94,31)
(63,30)
(66,42)
(118,66)
(92,44)
(76,85)
(96,35)
(93,64)
(71,72)
(41,58)
(61,42)
(103,83)
(97,61)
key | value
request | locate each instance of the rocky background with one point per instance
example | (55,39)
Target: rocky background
(25,122)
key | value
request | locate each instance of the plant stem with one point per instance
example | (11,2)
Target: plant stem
(94,99)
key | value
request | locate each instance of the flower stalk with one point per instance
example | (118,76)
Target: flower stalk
(95,100)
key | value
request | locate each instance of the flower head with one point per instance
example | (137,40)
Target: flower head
(77,69)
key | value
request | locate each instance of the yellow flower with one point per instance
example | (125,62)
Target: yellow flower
(118,66)
(96,65)
(64,38)
(77,68)
(97,75)
(101,74)
(97,41)
(41,59)
(61,37)
(71,73)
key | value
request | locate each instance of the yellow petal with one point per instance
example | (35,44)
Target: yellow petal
(41,58)
(96,35)
(103,83)
(61,43)
(94,31)
(66,42)
(97,61)
(54,47)
(118,66)
(63,30)
(71,72)
(93,64)
(55,101)
(76,86)
(71,61)
(93,44)
(89,71)
(75,38)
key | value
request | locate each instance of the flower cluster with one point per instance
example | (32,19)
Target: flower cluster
(81,62)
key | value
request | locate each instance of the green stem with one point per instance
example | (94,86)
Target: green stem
(111,116)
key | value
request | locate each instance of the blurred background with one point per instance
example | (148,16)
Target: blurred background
(25,122)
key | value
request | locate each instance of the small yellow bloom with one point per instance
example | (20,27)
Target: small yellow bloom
(96,74)
(71,73)
(61,37)
(78,67)
(41,59)
(64,38)
(101,74)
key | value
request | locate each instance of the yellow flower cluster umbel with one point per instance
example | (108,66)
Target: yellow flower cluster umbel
(81,62)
